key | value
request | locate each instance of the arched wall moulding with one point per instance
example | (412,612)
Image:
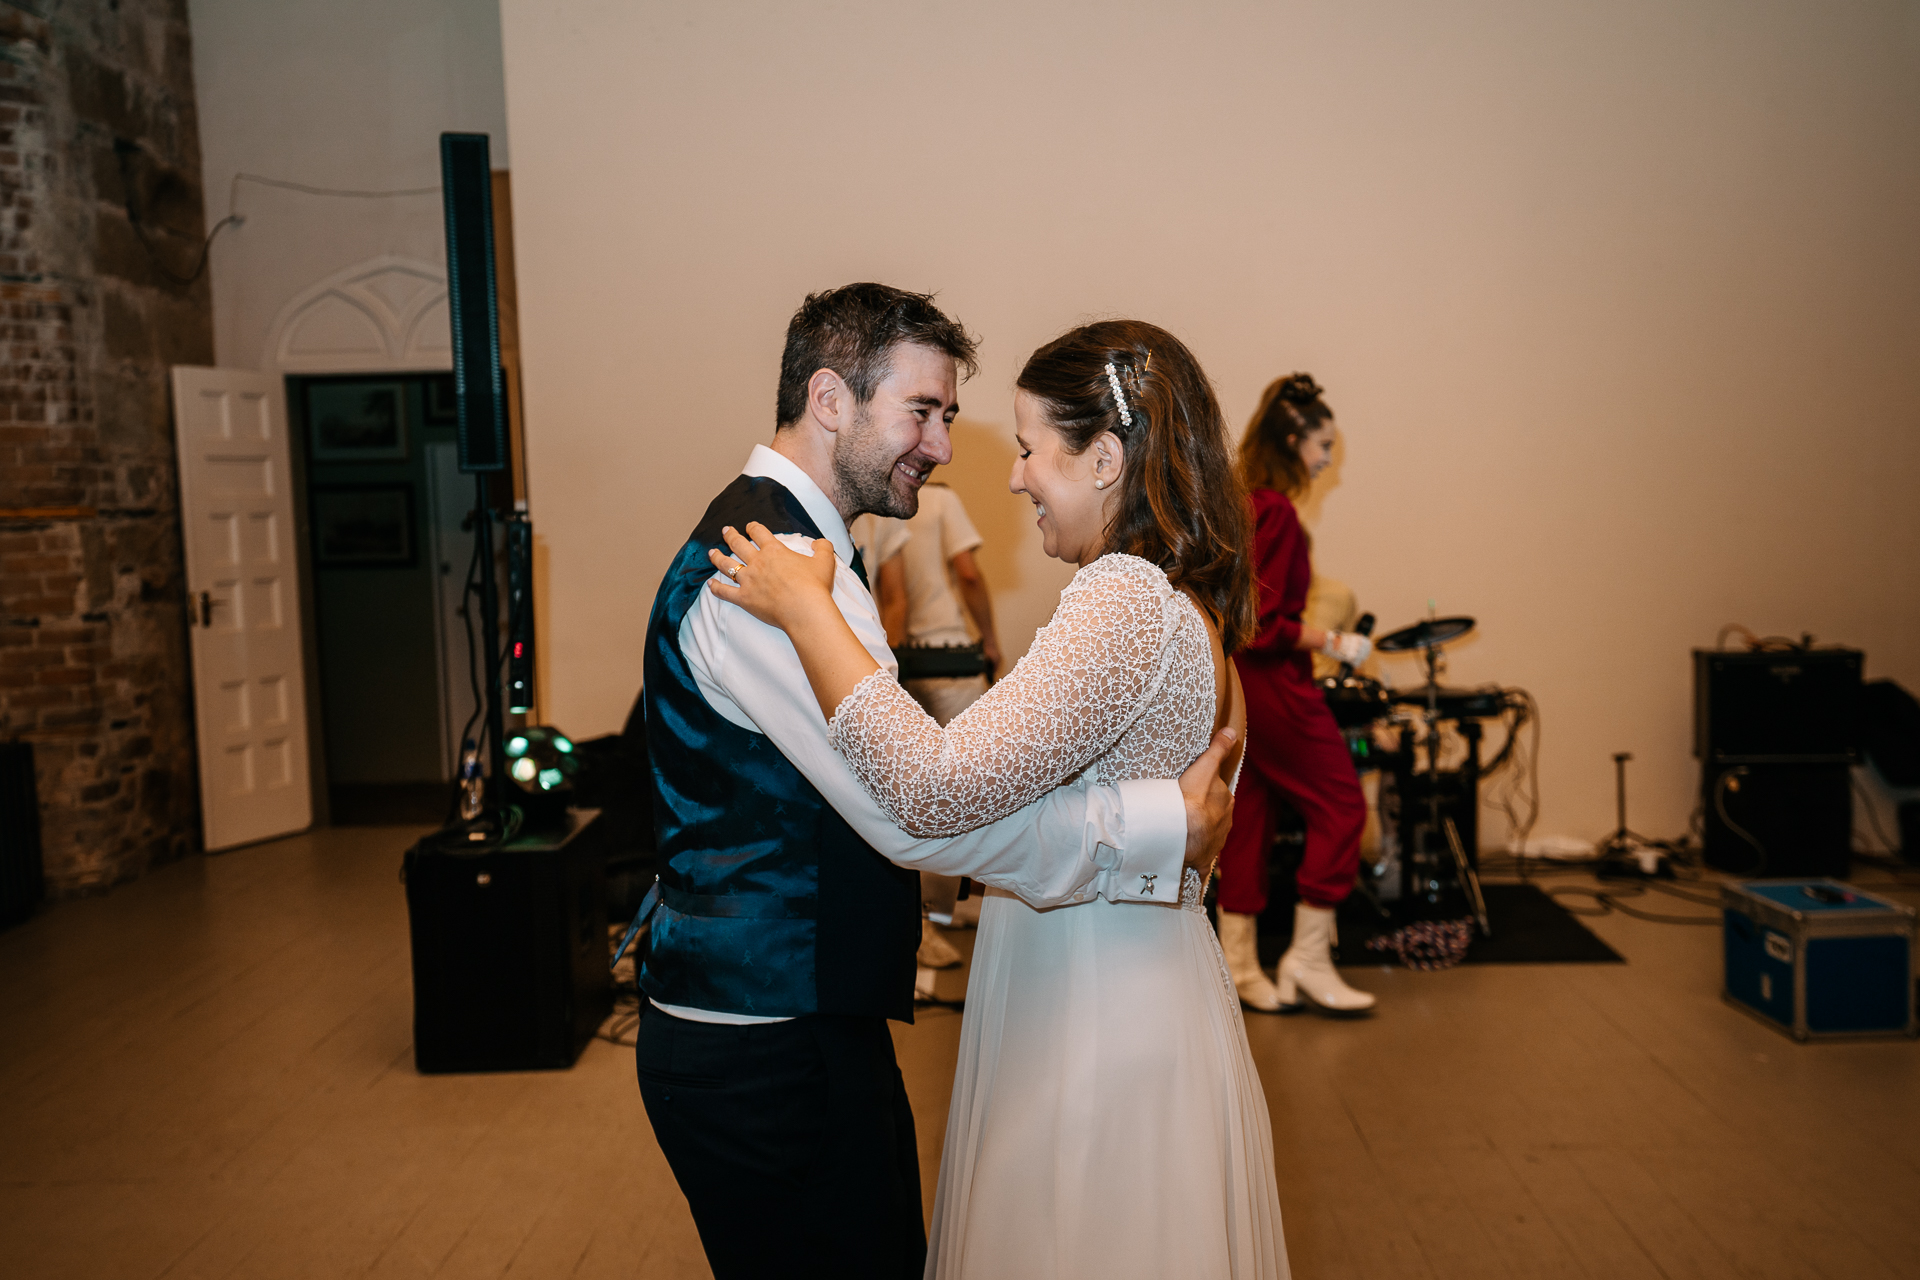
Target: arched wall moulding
(385,313)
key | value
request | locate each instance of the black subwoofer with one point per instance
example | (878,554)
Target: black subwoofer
(510,953)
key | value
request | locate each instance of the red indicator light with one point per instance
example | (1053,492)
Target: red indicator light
(519,649)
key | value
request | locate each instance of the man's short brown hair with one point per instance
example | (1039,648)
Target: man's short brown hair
(852,330)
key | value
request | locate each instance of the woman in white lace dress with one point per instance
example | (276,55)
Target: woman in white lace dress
(1107,1120)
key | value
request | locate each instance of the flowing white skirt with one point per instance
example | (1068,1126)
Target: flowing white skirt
(1107,1120)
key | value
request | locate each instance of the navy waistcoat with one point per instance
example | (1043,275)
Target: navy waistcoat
(770,904)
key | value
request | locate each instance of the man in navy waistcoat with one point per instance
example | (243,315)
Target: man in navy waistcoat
(788,905)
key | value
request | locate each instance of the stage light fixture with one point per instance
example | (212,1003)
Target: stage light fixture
(543,760)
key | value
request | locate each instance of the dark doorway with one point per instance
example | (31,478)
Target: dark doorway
(388,559)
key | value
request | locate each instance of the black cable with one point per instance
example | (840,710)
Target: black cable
(624,1021)
(1899,872)
(123,151)
(1513,711)
(206,247)
(1520,790)
(1720,640)
(1517,866)
(1611,900)
(239,178)
(1720,787)
(1675,892)
(468,589)
(471,598)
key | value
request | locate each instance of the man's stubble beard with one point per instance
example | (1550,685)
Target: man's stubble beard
(863,473)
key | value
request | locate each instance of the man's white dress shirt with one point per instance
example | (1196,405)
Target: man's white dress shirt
(1080,841)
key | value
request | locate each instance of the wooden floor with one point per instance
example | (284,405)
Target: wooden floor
(209,1074)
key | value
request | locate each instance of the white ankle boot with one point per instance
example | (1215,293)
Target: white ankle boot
(1306,972)
(935,951)
(1239,940)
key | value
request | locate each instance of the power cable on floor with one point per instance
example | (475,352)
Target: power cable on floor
(1608,901)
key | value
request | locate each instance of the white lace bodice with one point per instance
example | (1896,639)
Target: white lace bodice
(1121,681)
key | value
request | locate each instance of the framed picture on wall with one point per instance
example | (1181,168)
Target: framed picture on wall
(442,405)
(363,526)
(357,421)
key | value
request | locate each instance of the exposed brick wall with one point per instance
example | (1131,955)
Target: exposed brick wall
(100,218)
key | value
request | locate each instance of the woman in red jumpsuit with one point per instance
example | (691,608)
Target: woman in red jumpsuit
(1294,749)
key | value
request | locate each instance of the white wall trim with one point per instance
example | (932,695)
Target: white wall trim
(389,312)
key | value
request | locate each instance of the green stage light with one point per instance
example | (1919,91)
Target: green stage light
(543,760)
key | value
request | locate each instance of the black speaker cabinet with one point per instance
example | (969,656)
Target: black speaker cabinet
(1776,706)
(21,875)
(1797,819)
(510,952)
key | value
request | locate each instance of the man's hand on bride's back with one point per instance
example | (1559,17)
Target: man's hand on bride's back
(770,580)
(1209,803)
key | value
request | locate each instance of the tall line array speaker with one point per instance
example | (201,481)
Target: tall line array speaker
(1776,732)
(509,952)
(22,874)
(473,301)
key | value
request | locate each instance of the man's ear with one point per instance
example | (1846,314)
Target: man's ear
(829,399)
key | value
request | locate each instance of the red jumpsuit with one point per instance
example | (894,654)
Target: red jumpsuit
(1294,748)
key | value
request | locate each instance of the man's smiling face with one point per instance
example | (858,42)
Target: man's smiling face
(899,437)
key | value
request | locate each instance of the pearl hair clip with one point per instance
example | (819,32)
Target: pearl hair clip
(1119,397)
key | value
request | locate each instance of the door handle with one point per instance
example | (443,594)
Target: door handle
(206,608)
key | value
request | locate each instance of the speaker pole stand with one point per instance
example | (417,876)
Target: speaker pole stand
(490,648)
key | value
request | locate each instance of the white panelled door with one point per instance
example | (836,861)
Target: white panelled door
(236,510)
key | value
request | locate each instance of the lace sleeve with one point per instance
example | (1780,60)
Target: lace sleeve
(1088,675)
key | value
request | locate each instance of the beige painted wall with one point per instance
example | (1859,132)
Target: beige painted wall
(341,94)
(1618,304)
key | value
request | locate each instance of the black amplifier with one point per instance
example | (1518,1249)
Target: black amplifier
(1777,706)
(510,954)
(1775,820)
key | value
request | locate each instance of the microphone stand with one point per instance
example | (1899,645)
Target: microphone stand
(1618,859)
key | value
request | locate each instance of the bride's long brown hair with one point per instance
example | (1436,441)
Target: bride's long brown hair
(1180,504)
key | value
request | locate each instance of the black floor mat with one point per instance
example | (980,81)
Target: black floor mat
(1529,927)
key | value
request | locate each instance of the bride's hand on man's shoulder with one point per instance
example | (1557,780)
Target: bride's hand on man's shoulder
(769,579)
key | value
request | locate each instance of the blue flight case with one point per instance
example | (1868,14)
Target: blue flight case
(1819,959)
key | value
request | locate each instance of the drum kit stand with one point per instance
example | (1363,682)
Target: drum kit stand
(1428,870)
